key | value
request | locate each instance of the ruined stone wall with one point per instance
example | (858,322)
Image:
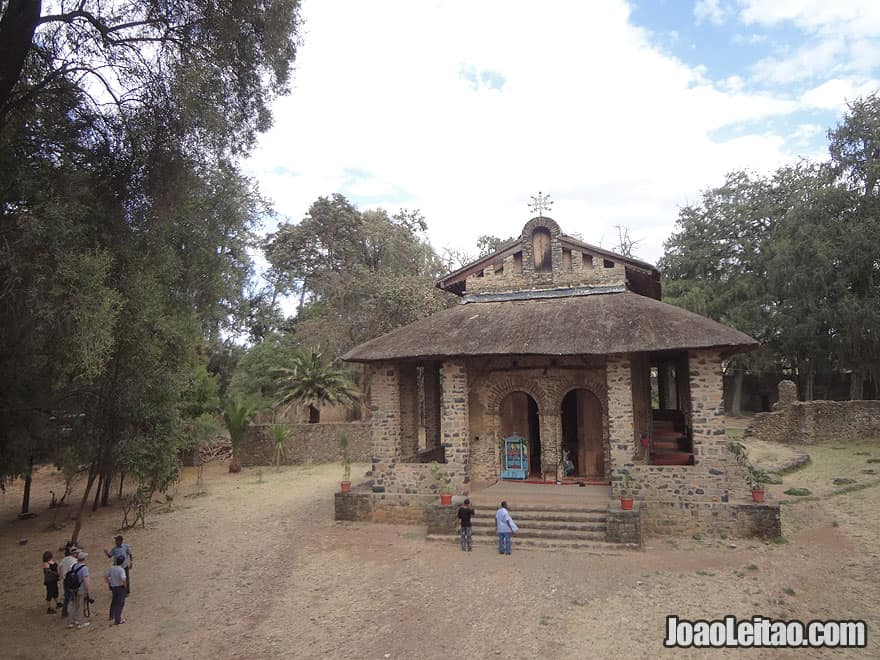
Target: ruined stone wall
(391,508)
(690,517)
(804,422)
(307,443)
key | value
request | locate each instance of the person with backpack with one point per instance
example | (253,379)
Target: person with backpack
(77,581)
(64,567)
(50,581)
(116,579)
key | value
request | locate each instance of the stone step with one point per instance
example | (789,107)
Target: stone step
(545,524)
(554,516)
(599,507)
(548,534)
(586,545)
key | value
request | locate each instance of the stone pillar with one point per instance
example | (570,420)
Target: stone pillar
(620,414)
(707,408)
(454,424)
(409,411)
(551,446)
(432,405)
(385,426)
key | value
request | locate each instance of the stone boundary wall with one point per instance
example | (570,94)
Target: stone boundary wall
(308,443)
(394,508)
(684,518)
(804,422)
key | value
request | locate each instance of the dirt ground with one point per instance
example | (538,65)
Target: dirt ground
(257,568)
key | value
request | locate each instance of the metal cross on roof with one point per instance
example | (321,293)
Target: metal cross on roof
(540,203)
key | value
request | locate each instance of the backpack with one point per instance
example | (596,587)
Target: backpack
(72,580)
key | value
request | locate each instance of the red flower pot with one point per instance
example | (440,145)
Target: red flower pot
(758,495)
(346,486)
(446,498)
(626,503)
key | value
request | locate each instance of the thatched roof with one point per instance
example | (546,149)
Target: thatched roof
(599,324)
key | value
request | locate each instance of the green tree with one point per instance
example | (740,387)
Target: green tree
(357,274)
(237,416)
(314,382)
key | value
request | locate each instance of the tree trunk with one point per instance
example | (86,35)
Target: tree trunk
(736,397)
(121,480)
(314,415)
(26,498)
(856,385)
(93,472)
(98,492)
(808,385)
(17,27)
(105,494)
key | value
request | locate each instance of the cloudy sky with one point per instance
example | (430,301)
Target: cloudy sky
(621,111)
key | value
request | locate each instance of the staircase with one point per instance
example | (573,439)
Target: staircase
(556,526)
(670,443)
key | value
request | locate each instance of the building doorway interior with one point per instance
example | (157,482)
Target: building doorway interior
(519,416)
(582,433)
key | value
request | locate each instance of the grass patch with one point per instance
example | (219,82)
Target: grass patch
(788,591)
(544,621)
(799,492)
(752,567)
(580,601)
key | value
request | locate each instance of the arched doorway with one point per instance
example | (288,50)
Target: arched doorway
(519,416)
(582,433)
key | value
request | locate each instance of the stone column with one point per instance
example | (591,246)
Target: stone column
(432,405)
(551,446)
(620,413)
(409,411)
(707,408)
(454,424)
(385,426)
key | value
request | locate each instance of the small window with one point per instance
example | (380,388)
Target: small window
(608,264)
(517,263)
(588,261)
(499,267)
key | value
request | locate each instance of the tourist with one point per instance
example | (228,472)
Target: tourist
(122,550)
(67,563)
(50,581)
(466,533)
(83,594)
(506,527)
(116,579)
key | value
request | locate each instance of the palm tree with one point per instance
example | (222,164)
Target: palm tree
(313,381)
(237,415)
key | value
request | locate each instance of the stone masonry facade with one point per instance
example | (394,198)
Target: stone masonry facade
(569,267)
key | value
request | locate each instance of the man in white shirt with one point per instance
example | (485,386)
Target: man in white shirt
(505,526)
(65,566)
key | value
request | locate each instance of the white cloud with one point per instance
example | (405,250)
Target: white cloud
(834,94)
(849,18)
(709,10)
(589,110)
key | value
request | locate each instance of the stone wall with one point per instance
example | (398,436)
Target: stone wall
(684,518)
(393,508)
(307,443)
(804,422)
(623,526)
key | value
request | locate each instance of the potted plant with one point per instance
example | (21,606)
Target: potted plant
(753,476)
(626,492)
(444,481)
(346,461)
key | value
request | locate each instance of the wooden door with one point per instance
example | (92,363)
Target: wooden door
(515,415)
(591,448)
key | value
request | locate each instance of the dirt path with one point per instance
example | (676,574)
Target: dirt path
(258,569)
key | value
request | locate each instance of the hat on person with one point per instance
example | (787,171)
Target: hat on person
(82,555)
